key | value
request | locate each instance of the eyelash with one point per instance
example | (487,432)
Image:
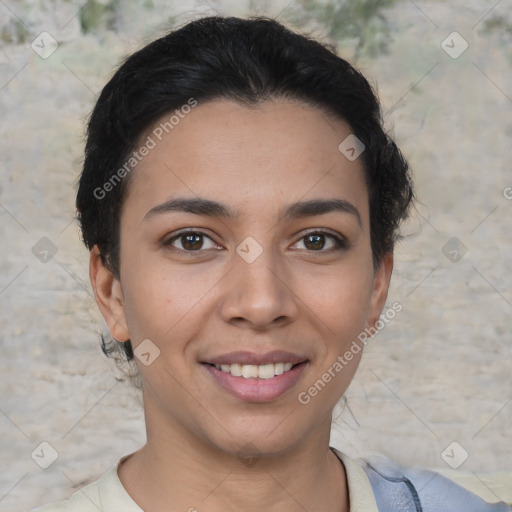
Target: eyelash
(340,242)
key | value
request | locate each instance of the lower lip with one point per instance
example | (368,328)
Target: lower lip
(257,390)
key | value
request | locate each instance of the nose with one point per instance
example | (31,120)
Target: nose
(258,295)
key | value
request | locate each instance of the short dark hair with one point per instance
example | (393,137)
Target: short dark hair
(244,60)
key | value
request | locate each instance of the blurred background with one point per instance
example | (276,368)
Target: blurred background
(435,385)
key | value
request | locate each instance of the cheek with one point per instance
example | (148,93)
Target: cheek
(340,303)
(161,299)
(340,299)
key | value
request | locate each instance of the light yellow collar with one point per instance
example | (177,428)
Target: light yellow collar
(360,490)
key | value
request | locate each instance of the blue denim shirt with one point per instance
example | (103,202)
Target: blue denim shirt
(399,489)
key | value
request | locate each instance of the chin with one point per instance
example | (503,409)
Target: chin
(261,436)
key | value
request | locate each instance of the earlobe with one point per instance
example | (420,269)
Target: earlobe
(109,296)
(381,281)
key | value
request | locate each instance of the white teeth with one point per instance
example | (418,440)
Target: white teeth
(266,371)
(248,371)
(234,369)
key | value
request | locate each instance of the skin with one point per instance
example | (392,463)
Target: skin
(298,295)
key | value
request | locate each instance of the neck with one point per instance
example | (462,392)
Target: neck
(195,476)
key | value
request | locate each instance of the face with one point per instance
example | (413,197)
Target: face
(246,262)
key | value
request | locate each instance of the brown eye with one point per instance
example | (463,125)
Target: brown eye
(314,242)
(191,241)
(322,241)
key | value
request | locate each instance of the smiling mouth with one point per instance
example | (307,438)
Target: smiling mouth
(253,371)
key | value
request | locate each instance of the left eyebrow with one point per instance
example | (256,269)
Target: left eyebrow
(320,207)
(209,208)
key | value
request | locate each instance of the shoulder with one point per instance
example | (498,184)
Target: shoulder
(107,494)
(429,491)
(488,485)
(84,500)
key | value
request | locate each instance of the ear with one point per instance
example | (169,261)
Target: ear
(109,296)
(381,279)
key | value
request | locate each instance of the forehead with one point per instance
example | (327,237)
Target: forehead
(279,151)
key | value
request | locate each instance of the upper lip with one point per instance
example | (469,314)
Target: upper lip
(245,357)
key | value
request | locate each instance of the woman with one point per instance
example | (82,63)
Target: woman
(241,201)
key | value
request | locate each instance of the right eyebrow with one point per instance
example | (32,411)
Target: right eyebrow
(199,206)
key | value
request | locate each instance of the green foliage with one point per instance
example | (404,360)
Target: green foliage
(499,25)
(503,28)
(96,15)
(360,20)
